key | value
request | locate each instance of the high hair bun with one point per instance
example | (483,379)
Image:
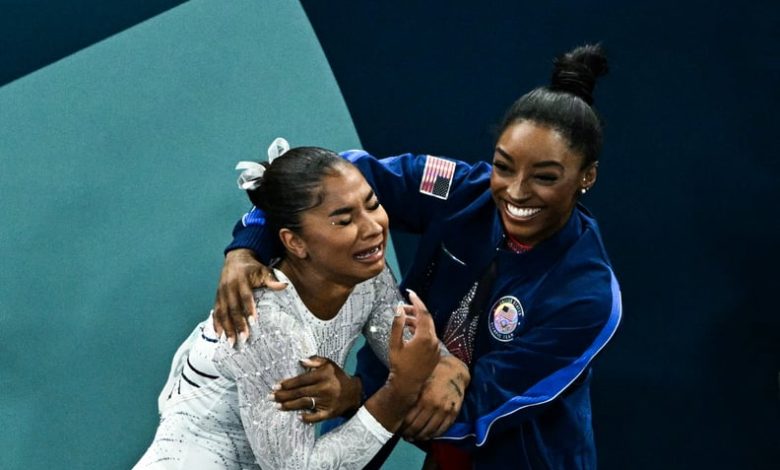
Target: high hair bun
(576,71)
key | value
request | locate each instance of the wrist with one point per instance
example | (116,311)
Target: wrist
(355,396)
(239,253)
(456,369)
(404,393)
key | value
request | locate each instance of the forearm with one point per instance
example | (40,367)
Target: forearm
(390,404)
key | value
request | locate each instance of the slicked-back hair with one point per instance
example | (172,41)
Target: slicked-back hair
(566,105)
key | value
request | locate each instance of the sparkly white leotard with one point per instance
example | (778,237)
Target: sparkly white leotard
(213,389)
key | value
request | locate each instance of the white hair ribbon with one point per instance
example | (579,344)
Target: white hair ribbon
(250,177)
(278,147)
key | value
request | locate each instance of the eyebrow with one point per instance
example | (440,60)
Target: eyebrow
(544,164)
(347,210)
(548,163)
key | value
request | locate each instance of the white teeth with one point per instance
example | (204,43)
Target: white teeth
(521,211)
(368,253)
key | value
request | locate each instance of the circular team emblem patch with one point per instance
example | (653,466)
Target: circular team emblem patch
(507,314)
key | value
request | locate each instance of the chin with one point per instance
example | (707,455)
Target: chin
(377,268)
(523,233)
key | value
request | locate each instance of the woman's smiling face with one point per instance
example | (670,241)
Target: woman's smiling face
(536,181)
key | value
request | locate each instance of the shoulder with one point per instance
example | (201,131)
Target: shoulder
(280,315)
(421,162)
(379,290)
(584,265)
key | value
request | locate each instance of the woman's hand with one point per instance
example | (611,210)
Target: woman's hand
(235,304)
(411,362)
(333,391)
(439,402)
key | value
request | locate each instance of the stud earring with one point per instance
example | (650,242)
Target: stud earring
(584,190)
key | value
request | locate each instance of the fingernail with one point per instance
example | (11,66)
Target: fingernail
(276,387)
(242,337)
(410,292)
(278,406)
(253,320)
(270,397)
(231,341)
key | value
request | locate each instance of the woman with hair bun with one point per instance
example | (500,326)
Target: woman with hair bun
(215,411)
(514,271)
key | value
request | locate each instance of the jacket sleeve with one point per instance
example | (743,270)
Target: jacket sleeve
(250,232)
(511,384)
(396,181)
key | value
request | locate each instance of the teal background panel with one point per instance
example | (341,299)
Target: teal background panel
(117,195)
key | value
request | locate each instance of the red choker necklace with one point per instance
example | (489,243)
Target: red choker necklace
(516,246)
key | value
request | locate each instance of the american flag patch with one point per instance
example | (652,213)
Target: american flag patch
(437,177)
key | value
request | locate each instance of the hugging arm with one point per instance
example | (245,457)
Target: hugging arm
(397,183)
(281,439)
(440,400)
(513,384)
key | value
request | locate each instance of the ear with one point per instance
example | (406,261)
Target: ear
(293,243)
(588,178)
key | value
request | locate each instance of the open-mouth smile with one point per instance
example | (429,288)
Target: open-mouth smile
(520,213)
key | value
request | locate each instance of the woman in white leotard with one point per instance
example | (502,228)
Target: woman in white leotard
(215,408)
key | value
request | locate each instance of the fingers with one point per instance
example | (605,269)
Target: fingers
(297,382)
(418,304)
(316,417)
(218,317)
(314,362)
(423,423)
(264,277)
(246,308)
(397,331)
(235,314)
(299,404)
(319,381)
(444,426)
(411,324)
(235,303)
(407,428)
(416,420)
(427,430)
(273,284)
(424,318)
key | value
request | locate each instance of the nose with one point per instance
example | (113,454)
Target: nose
(371,226)
(517,189)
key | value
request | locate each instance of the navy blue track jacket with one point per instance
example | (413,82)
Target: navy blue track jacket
(528,404)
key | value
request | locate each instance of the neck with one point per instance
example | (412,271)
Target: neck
(516,246)
(322,296)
